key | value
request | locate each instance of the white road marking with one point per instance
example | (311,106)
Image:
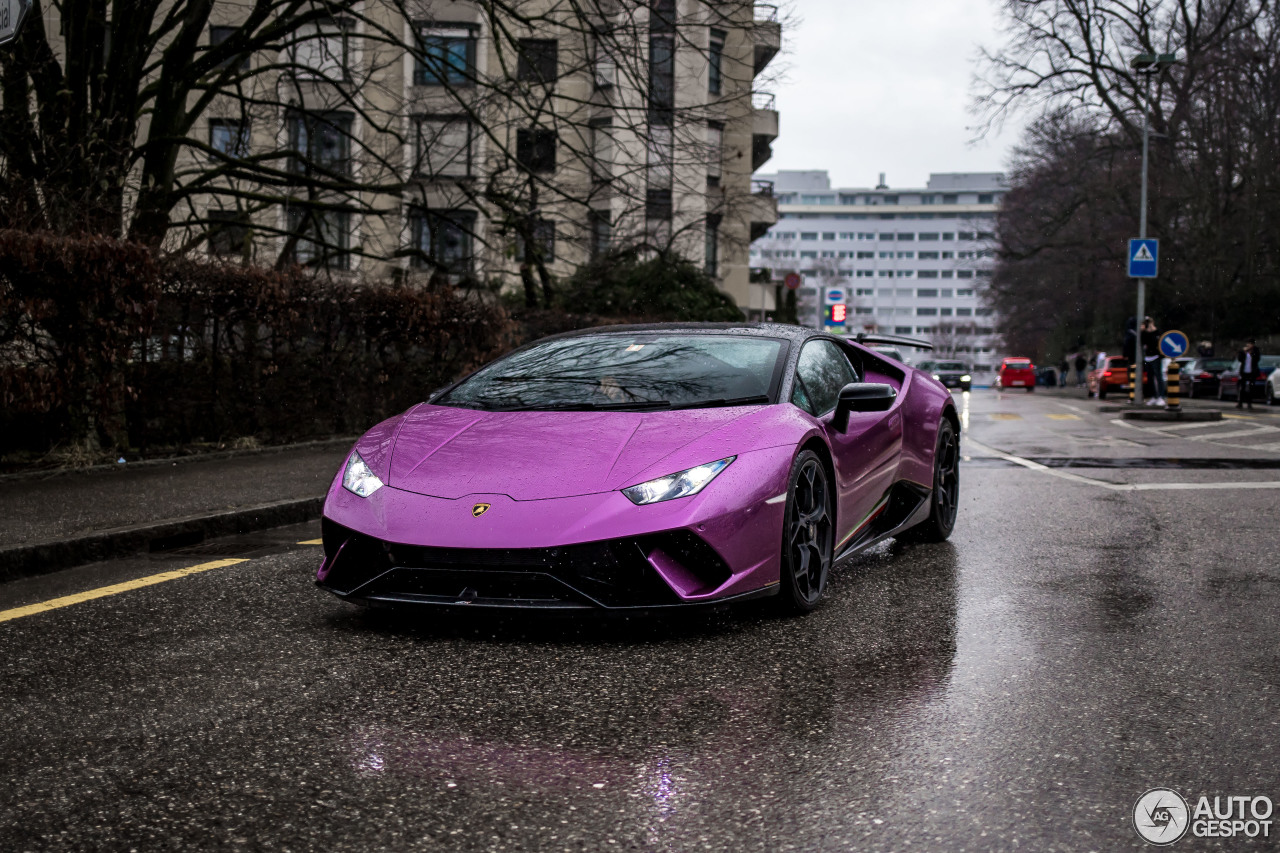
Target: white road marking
(1119,487)
(1239,433)
(1196,425)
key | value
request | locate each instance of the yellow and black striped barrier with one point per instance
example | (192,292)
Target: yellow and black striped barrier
(1173,379)
(1132,375)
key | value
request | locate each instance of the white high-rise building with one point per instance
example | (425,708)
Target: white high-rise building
(914,261)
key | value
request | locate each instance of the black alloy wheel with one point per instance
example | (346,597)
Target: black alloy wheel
(808,534)
(944,502)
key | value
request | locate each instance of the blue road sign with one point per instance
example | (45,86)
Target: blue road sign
(1174,344)
(1144,258)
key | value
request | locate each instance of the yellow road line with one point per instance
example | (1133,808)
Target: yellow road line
(114,589)
(1064,417)
(311,542)
(1005,416)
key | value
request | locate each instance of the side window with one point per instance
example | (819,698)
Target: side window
(823,370)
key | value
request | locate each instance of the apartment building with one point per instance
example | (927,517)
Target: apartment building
(914,261)
(466,144)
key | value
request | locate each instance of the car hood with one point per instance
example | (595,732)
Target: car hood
(448,453)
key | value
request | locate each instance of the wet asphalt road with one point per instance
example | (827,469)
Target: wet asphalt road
(1076,643)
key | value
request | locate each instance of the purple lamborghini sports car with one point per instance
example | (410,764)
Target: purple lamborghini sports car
(644,467)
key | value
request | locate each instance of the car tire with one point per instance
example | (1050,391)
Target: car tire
(944,500)
(1031,389)
(1102,392)
(808,535)
(1271,395)
(1221,392)
(964,386)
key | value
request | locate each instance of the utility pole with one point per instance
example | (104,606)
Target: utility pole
(1148,64)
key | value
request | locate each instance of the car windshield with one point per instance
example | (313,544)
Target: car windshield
(1269,361)
(639,371)
(950,365)
(1216,364)
(1018,365)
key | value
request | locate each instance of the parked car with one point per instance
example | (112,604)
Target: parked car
(1200,376)
(1273,387)
(1016,372)
(1113,377)
(893,352)
(1047,376)
(1229,380)
(952,374)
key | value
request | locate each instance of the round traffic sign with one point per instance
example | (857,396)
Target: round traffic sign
(1174,344)
(792,280)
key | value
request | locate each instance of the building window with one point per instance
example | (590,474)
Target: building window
(950,199)
(906,273)
(229,137)
(864,273)
(536,149)
(865,255)
(813,255)
(902,330)
(322,51)
(964,292)
(544,236)
(443,240)
(443,147)
(947,256)
(964,273)
(986,198)
(323,237)
(320,143)
(601,150)
(538,61)
(601,223)
(886,235)
(662,80)
(967,235)
(927,256)
(662,16)
(890,199)
(715,152)
(715,60)
(713,246)
(218,35)
(928,236)
(964,312)
(909,255)
(906,237)
(927,274)
(927,292)
(228,233)
(829,235)
(808,235)
(448,56)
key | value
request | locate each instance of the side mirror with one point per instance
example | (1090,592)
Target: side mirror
(862,397)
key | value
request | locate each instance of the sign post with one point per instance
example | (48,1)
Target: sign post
(1144,261)
(12,14)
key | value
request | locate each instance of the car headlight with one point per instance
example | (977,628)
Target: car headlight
(966,378)
(679,485)
(358,479)
(937,377)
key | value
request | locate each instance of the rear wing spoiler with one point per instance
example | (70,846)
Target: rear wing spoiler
(891,340)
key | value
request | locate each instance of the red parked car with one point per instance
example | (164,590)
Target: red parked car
(1113,377)
(1016,373)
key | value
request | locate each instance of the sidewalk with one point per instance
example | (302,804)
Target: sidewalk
(52,521)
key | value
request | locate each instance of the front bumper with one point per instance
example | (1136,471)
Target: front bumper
(588,551)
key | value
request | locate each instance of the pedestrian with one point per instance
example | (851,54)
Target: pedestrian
(1063,369)
(1249,373)
(1081,364)
(1152,380)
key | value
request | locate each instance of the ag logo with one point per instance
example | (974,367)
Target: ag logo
(479,510)
(1161,816)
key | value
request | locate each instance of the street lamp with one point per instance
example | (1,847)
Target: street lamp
(1148,64)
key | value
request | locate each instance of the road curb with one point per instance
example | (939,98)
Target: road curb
(38,558)
(1166,415)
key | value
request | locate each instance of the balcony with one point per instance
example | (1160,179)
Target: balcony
(764,128)
(762,208)
(767,35)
